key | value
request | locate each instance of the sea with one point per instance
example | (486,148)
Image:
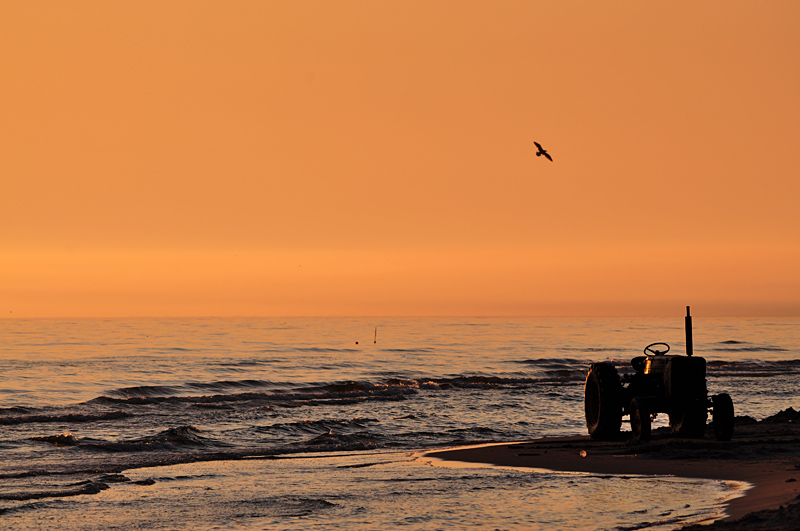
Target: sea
(324,423)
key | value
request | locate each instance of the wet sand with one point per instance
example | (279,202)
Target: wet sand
(765,454)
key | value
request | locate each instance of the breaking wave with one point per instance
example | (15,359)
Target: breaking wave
(743,346)
(70,417)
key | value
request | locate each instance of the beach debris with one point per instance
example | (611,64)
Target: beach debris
(583,453)
(786,416)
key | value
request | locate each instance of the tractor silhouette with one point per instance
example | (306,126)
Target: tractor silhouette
(660,383)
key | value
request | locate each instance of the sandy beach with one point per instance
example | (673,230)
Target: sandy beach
(765,454)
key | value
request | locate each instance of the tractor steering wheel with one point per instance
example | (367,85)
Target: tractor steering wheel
(650,351)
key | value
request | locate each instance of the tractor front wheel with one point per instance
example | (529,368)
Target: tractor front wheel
(722,417)
(640,419)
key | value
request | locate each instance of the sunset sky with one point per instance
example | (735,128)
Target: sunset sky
(280,158)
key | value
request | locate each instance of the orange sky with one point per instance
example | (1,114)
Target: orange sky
(375,158)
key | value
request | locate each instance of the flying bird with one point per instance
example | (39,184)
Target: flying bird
(542,151)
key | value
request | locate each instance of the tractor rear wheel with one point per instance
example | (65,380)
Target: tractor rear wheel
(722,417)
(603,401)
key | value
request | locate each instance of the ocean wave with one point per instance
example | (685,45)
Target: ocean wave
(70,417)
(64,439)
(164,391)
(592,349)
(317,426)
(327,442)
(550,363)
(407,350)
(559,369)
(471,431)
(342,392)
(16,410)
(755,348)
(484,382)
(144,391)
(732,345)
(86,487)
(567,374)
(170,439)
(251,362)
(325,349)
(229,384)
(752,368)
(314,395)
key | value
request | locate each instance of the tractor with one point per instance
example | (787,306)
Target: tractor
(660,383)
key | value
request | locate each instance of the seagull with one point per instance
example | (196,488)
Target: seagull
(542,152)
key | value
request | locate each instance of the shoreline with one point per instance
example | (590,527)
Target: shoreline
(765,454)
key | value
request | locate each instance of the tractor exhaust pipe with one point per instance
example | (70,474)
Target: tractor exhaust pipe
(689,346)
